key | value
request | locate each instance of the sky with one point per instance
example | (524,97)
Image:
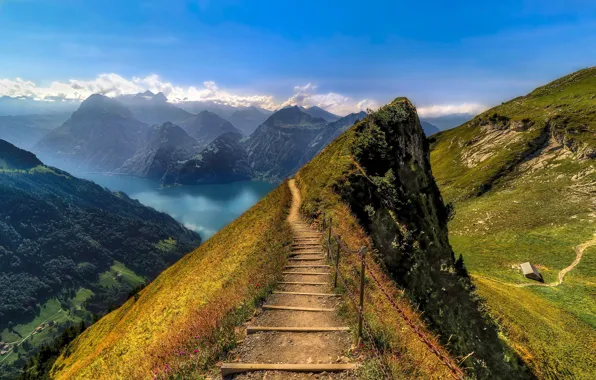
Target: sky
(446,56)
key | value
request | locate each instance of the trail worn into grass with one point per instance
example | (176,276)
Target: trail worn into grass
(292,347)
(579,251)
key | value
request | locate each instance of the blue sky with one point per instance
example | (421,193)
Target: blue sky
(435,52)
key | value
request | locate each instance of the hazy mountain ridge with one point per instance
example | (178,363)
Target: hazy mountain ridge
(153,108)
(275,148)
(247,120)
(223,160)
(161,148)
(315,111)
(428,128)
(207,126)
(26,130)
(100,136)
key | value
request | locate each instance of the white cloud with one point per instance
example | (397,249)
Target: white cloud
(449,109)
(114,85)
(306,96)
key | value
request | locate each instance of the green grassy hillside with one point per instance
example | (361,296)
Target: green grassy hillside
(70,249)
(522,178)
(184,320)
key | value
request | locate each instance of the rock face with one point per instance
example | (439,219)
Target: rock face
(101,135)
(153,108)
(12,157)
(247,120)
(275,149)
(163,147)
(396,199)
(223,160)
(207,126)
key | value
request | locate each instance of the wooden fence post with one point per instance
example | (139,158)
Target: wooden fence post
(329,238)
(336,262)
(324,222)
(362,270)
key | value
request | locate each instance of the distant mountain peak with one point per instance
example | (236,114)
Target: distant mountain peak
(317,111)
(293,116)
(147,94)
(102,103)
(160,98)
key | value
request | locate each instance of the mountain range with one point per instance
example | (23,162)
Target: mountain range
(105,135)
(99,136)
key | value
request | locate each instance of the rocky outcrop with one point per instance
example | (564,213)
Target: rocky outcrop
(163,147)
(223,160)
(395,197)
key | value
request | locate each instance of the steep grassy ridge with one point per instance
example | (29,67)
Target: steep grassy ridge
(522,177)
(375,182)
(181,322)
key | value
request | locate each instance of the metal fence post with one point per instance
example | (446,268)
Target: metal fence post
(336,263)
(324,222)
(363,268)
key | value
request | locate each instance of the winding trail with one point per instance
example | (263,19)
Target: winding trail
(579,252)
(297,333)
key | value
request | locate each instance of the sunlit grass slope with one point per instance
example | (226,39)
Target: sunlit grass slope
(184,320)
(522,177)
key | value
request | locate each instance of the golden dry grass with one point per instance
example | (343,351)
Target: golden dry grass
(181,322)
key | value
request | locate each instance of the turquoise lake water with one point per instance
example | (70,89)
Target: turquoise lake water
(203,208)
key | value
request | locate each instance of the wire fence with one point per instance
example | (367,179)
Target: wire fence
(363,324)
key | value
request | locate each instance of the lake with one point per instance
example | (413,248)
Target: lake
(202,208)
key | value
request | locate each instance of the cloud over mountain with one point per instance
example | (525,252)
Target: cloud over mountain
(111,84)
(333,102)
(449,109)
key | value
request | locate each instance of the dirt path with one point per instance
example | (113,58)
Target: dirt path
(579,252)
(294,215)
(308,264)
